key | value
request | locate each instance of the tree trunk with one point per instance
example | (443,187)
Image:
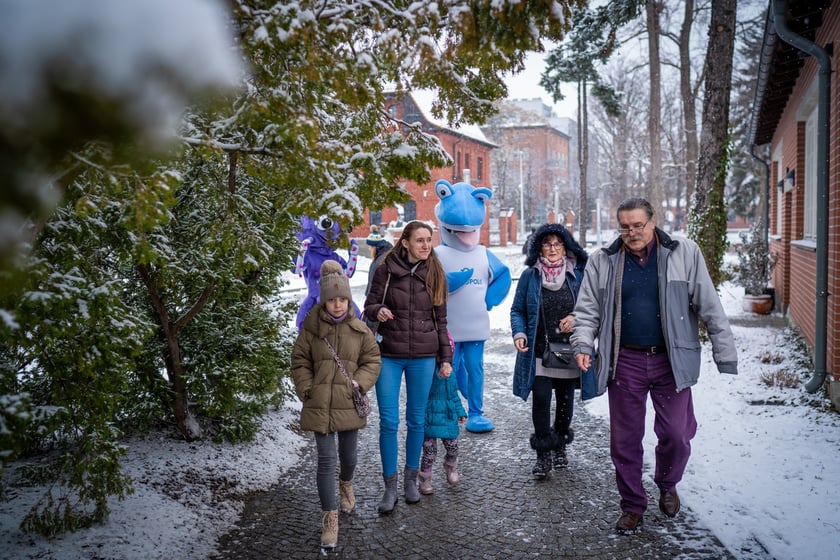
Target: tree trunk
(583,162)
(689,106)
(708,217)
(186,422)
(652,8)
(168,331)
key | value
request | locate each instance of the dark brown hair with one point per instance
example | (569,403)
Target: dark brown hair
(435,276)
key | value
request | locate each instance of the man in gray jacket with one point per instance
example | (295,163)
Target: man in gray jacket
(641,300)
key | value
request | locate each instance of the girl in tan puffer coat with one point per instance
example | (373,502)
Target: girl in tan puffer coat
(330,338)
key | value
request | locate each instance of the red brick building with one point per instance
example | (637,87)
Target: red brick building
(470,153)
(535,153)
(786,116)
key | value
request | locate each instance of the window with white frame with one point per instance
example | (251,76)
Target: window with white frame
(810,173)
(807,112)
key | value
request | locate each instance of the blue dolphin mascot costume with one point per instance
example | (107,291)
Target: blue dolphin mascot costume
(478,281)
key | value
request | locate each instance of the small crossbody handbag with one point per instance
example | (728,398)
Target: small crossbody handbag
(557,355)
(360,400)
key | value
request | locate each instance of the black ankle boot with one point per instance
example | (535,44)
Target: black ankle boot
(560,460)
(543,465)
(542,444)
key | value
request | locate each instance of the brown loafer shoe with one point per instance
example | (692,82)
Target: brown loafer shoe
(628,523)
(669,503)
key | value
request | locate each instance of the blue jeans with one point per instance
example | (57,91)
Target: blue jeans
(419,373)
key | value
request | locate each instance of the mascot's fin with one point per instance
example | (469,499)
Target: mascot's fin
(456,280)
(353,257)
(500,282)
(301,258)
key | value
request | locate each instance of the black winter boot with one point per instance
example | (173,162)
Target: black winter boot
(542,467)
(561,461)
(543,446)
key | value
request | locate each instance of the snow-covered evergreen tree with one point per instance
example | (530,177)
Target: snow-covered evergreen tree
(143,298)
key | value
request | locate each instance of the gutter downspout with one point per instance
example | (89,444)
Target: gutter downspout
(771,39)
(779,9)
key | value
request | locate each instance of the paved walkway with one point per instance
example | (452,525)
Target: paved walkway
(497,512)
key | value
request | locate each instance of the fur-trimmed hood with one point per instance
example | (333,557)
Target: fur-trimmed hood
(536,239)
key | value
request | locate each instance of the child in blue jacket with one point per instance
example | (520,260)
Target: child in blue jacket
(444,415)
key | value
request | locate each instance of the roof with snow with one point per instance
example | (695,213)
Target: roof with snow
(424,99)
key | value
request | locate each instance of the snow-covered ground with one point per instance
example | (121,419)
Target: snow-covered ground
(764,467)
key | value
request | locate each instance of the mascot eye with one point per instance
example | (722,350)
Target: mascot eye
(324,223)
(443,189)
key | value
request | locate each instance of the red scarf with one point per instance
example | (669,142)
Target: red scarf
(553,272)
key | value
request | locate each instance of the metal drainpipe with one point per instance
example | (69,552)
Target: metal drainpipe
(784,32)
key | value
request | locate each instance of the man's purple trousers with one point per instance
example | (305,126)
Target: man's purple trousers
(637,374)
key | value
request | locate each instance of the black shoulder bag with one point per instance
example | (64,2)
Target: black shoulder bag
(374,327)
(557,355)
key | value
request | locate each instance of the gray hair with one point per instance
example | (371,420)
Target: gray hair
(635,204)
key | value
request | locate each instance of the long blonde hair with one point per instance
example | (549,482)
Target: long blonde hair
(435,276)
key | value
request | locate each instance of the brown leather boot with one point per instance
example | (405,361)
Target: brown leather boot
(628,523)
(669,502)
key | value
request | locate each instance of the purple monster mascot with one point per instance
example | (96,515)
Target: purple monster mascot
(315,239)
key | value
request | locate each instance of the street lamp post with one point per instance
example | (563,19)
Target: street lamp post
(598,217)
(521,200)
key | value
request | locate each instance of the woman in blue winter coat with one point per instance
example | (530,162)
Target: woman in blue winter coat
(542,312)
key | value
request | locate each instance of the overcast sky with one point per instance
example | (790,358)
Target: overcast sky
(526,85)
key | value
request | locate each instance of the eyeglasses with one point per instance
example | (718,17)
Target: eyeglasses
(630,229)
(552,246)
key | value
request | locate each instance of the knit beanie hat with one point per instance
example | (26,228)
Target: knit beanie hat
(375,238)
(334,282)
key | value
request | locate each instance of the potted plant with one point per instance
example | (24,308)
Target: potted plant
(753,270)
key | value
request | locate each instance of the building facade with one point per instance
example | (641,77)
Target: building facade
(786,117)
(470,152)
(531,169)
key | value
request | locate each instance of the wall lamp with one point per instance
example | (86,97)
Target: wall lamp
(790,179)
